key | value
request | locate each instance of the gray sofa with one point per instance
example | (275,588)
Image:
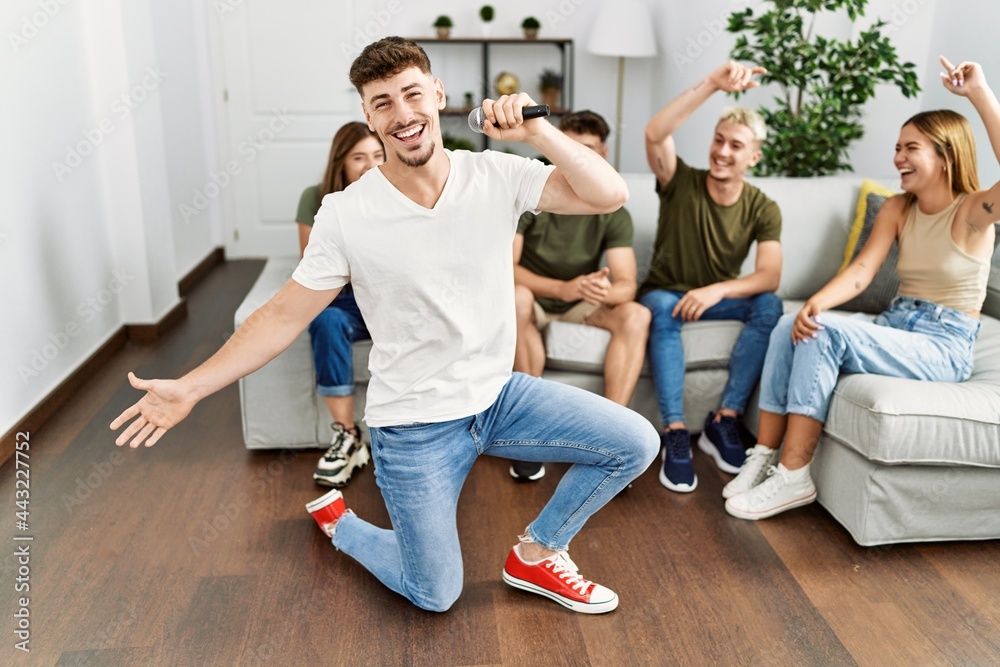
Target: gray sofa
(898,461)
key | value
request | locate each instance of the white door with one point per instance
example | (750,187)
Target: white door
(285,91)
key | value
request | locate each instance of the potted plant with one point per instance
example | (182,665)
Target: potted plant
(443,24)
(530,26)
(550,83)
(486,14)
(824,82)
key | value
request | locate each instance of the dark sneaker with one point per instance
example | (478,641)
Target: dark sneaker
(677,473)
(527,471)
(347,454)
(721,440)
(558,578)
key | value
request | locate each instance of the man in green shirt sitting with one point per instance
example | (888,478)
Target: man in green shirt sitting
(557,276)
(708,220)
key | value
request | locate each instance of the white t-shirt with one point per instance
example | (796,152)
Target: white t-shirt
(435,286)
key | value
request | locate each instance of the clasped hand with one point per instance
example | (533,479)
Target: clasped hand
(590,287)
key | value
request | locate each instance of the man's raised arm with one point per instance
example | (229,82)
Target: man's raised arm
(582,183)
(660,150)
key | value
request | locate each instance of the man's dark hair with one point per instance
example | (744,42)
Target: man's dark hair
(585,122)
(385,58)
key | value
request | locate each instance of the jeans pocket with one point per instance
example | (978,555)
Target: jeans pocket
(409,426)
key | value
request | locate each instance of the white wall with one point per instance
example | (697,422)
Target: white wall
(181,50)
(104,131)
(55,249)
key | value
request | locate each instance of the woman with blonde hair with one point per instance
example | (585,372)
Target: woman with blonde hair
(944,225)
(355,150)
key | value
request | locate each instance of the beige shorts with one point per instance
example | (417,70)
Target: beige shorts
(578,314)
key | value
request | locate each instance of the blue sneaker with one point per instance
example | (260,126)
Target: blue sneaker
(721,440)
(677,473)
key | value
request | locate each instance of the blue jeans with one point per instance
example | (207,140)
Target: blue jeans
(758,313)
(332,333)
(914,339)
(421,468)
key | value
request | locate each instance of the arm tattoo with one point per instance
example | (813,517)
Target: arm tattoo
(988,206)
(659,161)
(857,285)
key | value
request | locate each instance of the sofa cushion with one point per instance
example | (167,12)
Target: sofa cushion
(864,217)
(578,347)
(893,421)
(992,305)
(885,285)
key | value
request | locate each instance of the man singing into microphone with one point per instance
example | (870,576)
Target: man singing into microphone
(426,241)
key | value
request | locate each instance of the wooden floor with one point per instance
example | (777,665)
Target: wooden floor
(198,552)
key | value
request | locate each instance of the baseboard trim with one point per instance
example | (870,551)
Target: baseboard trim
(198,273)
(51,404)
(149,333)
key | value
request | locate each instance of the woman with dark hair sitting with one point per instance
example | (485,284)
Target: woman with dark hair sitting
(944,225)
(355,150)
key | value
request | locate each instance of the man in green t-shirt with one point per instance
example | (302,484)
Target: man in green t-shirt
(557,276)
(708,221)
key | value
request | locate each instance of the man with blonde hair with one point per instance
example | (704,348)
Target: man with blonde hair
(708,221)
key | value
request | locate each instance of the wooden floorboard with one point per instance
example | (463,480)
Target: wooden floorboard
(199,552)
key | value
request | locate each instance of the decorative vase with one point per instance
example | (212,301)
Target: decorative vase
(487,28)
(444,33)
(530,33)
(550,96)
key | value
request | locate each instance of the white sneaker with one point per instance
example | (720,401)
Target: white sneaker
(347,453)
(753,472)
(781,491)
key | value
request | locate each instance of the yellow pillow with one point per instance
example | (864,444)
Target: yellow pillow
(868,186)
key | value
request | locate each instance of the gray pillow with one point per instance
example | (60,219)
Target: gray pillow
(885,284)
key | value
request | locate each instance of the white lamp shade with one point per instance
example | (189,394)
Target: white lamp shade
(623,28)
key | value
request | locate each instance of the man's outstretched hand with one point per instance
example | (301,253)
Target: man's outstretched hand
(165,404)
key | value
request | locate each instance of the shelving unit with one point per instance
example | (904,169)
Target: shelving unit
(565,47)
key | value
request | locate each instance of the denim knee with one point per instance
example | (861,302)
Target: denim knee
(331,321)
(767,308)
(782,332)
(647,444)
(661,306)
(441,593)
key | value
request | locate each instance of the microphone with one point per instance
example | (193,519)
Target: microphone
(478,117)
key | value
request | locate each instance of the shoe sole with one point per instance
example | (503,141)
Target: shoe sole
(581,607)
(531,478)
(678,488)
(755,516)
(362,458)
(706,445)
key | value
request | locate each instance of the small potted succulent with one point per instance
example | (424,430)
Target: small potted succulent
(486,14)
(530,26)
(550,83)
(443,24)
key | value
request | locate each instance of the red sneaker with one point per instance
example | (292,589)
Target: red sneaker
(327,510)
(557,577)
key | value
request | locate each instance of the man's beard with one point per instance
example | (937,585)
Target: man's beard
(416,161)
